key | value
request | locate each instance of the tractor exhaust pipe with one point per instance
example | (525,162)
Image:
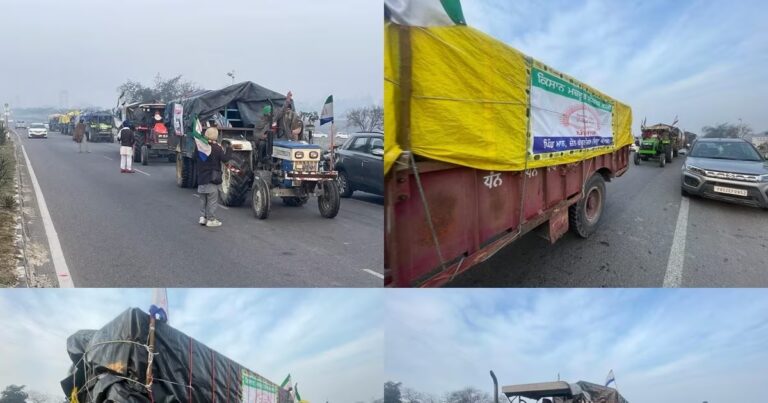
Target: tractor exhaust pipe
(495,388)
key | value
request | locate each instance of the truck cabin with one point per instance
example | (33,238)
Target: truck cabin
(545,392)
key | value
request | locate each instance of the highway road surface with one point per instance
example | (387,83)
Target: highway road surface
(141,230)
(650,236)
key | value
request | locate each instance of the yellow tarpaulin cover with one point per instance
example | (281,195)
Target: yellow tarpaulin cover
(469,102)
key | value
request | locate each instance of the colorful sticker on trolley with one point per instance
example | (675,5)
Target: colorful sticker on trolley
(257,389)
(178,112)
(565,117)
(492,180)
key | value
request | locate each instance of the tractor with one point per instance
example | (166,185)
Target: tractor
(660,142)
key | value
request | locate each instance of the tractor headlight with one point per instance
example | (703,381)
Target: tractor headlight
(313,154)
(298,155)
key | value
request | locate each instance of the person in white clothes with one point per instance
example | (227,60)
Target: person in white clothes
(126,148)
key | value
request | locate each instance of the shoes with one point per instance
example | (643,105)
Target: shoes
(213,223)
(130,171)
(122,171)
(202,221)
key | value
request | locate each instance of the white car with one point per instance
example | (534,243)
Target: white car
(21,124)
(36,131)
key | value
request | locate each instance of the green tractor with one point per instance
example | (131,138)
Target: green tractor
(660,142)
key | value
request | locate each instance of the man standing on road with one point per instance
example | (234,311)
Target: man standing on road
(126,148)
(78,137)
(209,178)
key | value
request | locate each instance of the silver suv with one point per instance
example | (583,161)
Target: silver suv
(730,170)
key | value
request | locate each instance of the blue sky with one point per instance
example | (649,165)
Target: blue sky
(702,60)
(682,344)
(331,347)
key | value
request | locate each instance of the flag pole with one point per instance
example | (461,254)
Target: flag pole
(333,150)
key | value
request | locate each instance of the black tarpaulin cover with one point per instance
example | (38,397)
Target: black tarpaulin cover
(110,364)
(249,97)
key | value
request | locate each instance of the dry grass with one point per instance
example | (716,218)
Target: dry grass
(7,214)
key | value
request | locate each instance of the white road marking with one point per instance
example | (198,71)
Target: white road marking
(107,157)
(57,255)
(674,275)
(379,275)
(141,172)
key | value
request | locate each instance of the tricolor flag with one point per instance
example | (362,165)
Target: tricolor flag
(424,12)
(610,378)
(203,148)
(286,383)
(326,115)
(159,308)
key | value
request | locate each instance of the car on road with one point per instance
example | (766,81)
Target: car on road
(359,162)
(37,131)
(21,124)
(726,169)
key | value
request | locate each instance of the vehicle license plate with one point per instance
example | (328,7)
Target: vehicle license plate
(731,191)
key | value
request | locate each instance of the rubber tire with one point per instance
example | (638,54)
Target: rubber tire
(136,154)
(668,152)
(662,160)
(684,193)
(345,191)
(261,201)
(237,188)
(577,220)
(675,153)
(185,172)
(637,159)
(144,155)
(329,202)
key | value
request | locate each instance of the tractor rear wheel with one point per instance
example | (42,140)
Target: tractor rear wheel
(662,159)
(330,201)
(261,199)
(144,155)
(185,172)
(584,215)
(234,187)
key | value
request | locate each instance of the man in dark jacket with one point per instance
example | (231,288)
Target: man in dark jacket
(126,148)
(209,178)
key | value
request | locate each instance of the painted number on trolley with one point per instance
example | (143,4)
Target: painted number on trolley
(492,180)
(531,172)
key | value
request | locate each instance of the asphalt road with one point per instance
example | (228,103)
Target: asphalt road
(725,245)
(141,230)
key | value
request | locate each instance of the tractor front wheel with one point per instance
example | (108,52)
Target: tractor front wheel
(330,201)
(260,201)
(637,159)
(144,155)
(662,159)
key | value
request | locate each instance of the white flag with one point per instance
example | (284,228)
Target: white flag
(159,308)
(610,378)
(425,12)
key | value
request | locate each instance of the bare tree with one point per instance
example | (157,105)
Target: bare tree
(727,130)
(392,392)
(367,119)
(468,395)
(163,90)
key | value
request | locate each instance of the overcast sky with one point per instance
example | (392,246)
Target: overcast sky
(89,47)
(702,60)
(331,347)
(665,346)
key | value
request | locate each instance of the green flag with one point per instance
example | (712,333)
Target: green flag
(425,12)
(286,383)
